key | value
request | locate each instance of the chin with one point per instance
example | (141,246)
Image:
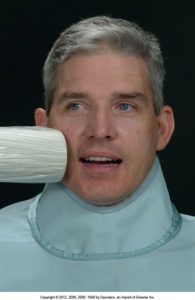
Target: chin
(99,193)
(102,199)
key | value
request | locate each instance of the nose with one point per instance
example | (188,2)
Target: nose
(101,125)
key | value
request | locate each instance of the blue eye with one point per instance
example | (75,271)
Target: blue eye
(125,106)
(74,106)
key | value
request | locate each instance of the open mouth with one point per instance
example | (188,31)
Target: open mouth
(100,161)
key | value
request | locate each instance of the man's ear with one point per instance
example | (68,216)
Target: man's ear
(166,126)
(41,118)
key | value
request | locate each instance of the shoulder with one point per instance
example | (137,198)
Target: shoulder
(188,229)
(14,220)
(14,210)
(188,220)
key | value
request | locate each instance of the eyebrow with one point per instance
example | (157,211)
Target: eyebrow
(116,95)
(72,95)
(128,95)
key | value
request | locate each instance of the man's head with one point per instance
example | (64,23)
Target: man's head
(103,86)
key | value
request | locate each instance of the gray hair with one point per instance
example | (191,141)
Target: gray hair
(97,33)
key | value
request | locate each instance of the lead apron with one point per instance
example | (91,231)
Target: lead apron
(68,227)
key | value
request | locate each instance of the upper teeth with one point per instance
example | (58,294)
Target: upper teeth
(98,159)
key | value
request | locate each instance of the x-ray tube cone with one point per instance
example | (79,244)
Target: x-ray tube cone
(32,154)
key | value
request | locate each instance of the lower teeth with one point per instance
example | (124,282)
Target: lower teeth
(101,162)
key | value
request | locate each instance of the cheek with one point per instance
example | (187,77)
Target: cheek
(67,128)
(73,138)
(137,133)
(145,138)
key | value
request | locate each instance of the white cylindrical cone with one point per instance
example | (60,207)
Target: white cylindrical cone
(32,154)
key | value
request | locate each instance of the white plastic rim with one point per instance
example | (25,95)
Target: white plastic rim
(32,154)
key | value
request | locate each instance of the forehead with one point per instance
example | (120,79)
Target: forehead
(103,71)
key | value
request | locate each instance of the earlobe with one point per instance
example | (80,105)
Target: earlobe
(166,126)
(41,118)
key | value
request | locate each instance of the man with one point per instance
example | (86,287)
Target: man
(110,225)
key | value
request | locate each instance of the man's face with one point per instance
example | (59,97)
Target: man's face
(103,105)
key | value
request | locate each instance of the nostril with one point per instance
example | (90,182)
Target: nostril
(101,126)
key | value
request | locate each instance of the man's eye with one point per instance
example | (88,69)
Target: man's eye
(125,107)
(74,106)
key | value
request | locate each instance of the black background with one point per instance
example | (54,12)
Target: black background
(28,29)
